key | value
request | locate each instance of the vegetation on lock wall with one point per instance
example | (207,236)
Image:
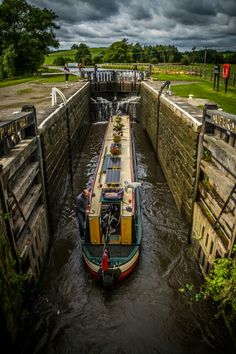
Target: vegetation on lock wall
(12,284)
(220,287)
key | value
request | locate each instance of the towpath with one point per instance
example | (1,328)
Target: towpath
(12,98)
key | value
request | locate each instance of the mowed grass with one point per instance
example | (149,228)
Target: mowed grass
(204,89)
(18,81)
(97,51)
(38,80)
(49,59)
(174,77)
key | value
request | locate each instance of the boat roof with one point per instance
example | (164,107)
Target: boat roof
(113,170)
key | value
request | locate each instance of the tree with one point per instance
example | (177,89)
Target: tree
(74,46)
(154,60)
(8,58)
(97,59)
(118,52)
(61,61)
(138,53)
(83,54)
(185,60)
(27,32)
(171,58)
(231,58)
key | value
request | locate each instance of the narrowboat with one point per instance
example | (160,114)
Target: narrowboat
(113,232)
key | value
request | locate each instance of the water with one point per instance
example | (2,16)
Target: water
(129,106)
(145,313)
(103,109)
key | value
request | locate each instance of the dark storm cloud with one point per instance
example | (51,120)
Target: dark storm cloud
(184,23)
(75,11)
(139,10)
(197,12)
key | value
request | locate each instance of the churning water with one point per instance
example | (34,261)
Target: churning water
(103,108)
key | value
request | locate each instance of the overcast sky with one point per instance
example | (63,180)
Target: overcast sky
(183,23)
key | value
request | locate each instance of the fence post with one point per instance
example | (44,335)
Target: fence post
(233,81)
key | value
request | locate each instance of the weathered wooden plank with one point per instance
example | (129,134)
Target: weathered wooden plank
(17,156)
(223,155)
(24,180)
(34,218)
(27,206)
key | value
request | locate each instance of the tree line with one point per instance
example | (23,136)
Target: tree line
(124,52)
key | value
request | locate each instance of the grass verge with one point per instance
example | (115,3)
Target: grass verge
(204,89)
(38,79)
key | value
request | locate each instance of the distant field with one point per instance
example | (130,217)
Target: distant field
(97,51)
(49,59)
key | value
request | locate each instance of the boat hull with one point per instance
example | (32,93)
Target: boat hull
(118,272)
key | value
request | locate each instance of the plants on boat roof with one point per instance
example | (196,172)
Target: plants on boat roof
(116,138)
(118,126)
(117,132)
(117,118)
(115,149)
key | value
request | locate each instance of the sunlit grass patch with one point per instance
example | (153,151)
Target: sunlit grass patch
(204,89)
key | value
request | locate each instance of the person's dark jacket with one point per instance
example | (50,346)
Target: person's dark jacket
(81,204)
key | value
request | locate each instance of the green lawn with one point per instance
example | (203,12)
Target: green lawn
(204,89)
(174,77)
(49,59)
(6,83)
(38,79)
(97,51)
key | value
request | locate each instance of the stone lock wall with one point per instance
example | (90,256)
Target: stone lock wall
(178,133)
(148,112)
(62,135)
(174,132)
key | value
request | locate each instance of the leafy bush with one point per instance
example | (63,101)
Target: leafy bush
(26,34)
(154,61)
(61,61)
(219,286)
(185,60)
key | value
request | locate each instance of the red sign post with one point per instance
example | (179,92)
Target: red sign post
(226,74)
